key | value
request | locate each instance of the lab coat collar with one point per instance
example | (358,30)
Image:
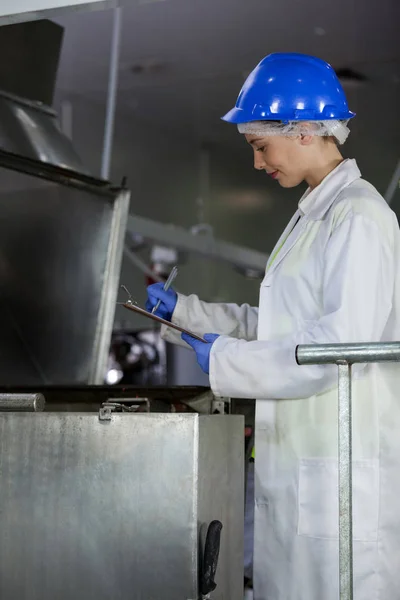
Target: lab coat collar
(314,203)
(312,206)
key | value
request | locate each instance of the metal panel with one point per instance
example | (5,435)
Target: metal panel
(30,129)
(109,295)
(95,510)
(227,442)
(33,52)
(60,257)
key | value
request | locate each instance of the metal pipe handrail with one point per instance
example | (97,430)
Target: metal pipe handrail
(22,402)
(344,355)
(311,354)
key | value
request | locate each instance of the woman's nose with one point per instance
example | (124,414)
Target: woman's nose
(259,163)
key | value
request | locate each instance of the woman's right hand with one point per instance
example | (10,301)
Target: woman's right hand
(169,298)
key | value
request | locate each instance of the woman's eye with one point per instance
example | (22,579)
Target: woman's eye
(261,149)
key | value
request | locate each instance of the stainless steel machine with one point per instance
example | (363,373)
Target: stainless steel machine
(61,244)
(101,505)
(97,500)
(106,493)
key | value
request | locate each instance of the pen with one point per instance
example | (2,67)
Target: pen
(167,285)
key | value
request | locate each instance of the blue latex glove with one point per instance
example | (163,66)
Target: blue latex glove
(202,350)
(156,292)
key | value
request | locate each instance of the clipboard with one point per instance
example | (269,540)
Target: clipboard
(141,311)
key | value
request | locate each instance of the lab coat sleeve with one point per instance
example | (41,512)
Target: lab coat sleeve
(206,317)
(357,293)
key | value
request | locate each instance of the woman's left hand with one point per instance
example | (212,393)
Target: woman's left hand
(202,350)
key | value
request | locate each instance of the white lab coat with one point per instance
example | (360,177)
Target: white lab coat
(335,280)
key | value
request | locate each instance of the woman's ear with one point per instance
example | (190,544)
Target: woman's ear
(306,140)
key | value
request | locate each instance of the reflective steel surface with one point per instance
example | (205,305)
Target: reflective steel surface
(60,257)
(317,354)
(345,449)
(94,510)
(344,355)
(25,402)
(30,129)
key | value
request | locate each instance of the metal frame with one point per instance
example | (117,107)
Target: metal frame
(111,94)
(29,103)
(49,172)
(205,245)
(110,290)
(344,356)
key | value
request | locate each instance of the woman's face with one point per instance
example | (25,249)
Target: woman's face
(283,158)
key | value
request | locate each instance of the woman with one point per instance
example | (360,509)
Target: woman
(332,278)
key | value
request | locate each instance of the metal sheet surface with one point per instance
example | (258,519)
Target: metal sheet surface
(60,256)
(227,442)
(30,129)
(96,510)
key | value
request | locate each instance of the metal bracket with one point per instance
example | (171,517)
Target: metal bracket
(134,404)
(105,413)
(221,406)
(218,407)
(112,406)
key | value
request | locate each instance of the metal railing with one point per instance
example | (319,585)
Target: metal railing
(344,356)
(22,402)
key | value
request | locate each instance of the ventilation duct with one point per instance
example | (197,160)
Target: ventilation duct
(28,124)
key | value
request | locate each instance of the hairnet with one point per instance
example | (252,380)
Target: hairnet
(333,127)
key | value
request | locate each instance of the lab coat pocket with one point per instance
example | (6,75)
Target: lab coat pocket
(318,505)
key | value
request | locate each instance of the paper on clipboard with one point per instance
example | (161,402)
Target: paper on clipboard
(141,311)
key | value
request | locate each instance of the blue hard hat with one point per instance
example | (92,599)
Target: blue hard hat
(290,87)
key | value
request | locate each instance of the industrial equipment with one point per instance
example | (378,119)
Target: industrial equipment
(61,243)
(100,502)
(105,491)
